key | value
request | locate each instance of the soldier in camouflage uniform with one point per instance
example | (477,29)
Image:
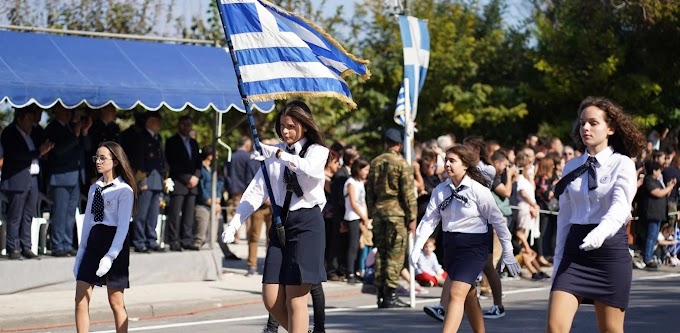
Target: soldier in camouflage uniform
(391,199)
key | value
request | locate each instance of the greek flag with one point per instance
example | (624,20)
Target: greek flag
(416,41)
(281,55)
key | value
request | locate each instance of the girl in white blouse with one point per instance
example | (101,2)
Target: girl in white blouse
(592,263)
(466,208)
(296,170)
(104,251)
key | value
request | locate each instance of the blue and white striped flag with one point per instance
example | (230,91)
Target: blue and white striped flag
(281,55)
(416,41)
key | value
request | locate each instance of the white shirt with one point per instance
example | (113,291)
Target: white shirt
(469,218)
(529,189)
(429,264)
(610,203)
(359,196)
(488,171)
(310,174)
(118,203)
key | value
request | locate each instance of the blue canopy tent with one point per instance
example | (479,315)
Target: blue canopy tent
(46,69)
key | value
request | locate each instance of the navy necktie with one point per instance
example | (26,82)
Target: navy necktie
(290,178)
(98,203)
(592,176)
(454,194)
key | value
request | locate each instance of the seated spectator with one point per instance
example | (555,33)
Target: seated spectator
(429,272)
(526,257)
(668,245)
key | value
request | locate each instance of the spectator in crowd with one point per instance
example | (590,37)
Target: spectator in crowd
(296,171)
(332,166)
(65,163)
(595,203)
(546,179)
(568,153)
(240,174)
(655,195)
(668,173)
(204,198)
(429,272)
(20,181)
(338,233)
(185,171)
(465,205)
(104,252)
(144,146)
(669,244)
(556,146)
(393,210)
(531,141)
(356,213)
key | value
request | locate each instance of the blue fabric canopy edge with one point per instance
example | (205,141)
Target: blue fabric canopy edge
(46,69)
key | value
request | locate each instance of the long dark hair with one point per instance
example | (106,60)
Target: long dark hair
(299,111)
(627,138)
(123,168)
(467,156)
(477,142)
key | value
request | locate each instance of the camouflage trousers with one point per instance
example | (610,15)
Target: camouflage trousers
(390,237)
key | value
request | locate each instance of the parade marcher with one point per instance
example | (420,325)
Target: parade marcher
(466,208)
(296,171)
(319,306)
(391,202)
(104,252)
(592,263)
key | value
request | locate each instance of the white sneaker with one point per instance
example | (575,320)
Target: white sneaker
(494,313)
(435,311)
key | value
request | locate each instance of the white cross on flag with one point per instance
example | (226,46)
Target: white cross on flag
(416,40)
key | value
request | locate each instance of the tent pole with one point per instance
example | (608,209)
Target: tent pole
(276,216)
(213,186)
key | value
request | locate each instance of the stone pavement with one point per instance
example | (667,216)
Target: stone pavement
(44,308)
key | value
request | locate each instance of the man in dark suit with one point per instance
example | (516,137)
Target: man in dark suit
(144,147)
(66,165)
(183,158)
(20,181)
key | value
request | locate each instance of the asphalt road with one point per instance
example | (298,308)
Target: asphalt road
(654,305)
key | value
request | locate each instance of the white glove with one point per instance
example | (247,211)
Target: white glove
(257,156)
(269,151)
(415,255)
(229,234)
(104,266)
(592,241)
(169,185)
(511,263)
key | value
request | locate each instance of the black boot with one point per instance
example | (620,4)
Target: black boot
(392,301)
(381,296)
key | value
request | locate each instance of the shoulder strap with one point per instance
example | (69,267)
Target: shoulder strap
(289,195)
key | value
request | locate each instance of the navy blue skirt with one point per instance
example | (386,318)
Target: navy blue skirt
(602,275)
(302,259)
(98,244)
(465,255)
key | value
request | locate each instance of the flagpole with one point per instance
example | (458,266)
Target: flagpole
(276,216)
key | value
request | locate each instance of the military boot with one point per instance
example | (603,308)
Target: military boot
(391,300)
(381,296)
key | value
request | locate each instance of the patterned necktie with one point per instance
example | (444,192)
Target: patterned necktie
(454,194)
(98,203)
(592,176)
(290,178)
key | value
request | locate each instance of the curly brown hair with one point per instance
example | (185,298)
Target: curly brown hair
(469,159)
(627,138)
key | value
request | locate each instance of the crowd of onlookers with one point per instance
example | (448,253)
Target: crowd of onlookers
(49,169)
